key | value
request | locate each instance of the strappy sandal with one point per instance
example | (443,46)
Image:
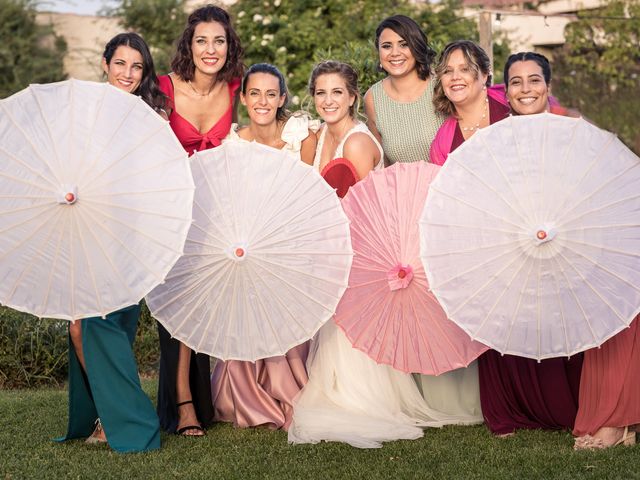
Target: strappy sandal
(182,431)
(94,438)
(587,442)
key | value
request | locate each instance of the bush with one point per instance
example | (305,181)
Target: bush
(598,68)
(34,352)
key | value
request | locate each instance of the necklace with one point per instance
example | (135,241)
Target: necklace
(477,125)
(197,92)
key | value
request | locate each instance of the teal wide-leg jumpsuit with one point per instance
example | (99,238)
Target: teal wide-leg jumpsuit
(111,388)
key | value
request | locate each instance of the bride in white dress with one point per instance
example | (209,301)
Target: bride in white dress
(350,398)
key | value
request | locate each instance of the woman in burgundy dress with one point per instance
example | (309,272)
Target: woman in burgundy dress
(202,88)
(609,400)
(515,392)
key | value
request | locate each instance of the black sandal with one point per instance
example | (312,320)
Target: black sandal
(182,430)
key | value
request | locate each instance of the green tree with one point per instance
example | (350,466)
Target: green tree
(160,22)
(598,69)
(29,52)
(294,34)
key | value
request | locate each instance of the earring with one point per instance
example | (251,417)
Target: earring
(379,68)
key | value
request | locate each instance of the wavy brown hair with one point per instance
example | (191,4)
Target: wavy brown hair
(182,62)
(478,62)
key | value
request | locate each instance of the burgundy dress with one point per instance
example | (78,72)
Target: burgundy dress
(517,392)
(199,371)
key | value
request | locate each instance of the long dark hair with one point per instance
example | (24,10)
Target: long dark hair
(348,74)
(416,39)
(182,62)
(281,113)
(148,90)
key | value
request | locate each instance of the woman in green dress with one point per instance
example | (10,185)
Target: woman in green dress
(106,400)
(399,108)
(401,113)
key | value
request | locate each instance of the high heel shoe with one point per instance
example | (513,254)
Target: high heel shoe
(587,442)
(628,438)
(96,437)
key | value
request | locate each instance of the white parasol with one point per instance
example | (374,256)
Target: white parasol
(95,199)
(531,236)
(266,260)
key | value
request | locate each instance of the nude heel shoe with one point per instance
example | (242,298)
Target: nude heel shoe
(96,437)
(628,438)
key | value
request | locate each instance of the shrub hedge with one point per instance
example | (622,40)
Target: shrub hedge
(34,352)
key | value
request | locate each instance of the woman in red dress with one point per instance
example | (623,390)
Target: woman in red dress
(202,91)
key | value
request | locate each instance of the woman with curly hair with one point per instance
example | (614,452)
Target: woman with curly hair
(202,91)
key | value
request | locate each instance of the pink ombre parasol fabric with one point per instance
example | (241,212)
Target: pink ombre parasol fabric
(387,310)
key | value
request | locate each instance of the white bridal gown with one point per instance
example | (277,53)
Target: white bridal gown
(349,398)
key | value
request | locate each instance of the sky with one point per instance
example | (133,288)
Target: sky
(82,7)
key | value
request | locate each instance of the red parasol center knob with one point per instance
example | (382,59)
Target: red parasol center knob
(70,197)
(402,273)
(239,252)
(541,234)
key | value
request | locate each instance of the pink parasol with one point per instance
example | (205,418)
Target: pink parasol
(387,310)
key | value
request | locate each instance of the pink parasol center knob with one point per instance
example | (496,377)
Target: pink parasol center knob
(399,277)
(541,234)
(70,197)
(239,252)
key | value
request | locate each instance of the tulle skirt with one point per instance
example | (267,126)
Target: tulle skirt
(351,399)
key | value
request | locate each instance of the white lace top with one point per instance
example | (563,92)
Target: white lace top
(294,132)
(358,127)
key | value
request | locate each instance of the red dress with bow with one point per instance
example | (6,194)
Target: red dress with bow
(199,371)
(188,135)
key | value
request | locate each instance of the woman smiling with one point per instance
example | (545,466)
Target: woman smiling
(202,88)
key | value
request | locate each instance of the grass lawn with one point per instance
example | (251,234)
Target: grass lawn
(29,419)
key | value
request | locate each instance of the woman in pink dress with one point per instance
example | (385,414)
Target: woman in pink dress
(202,87)
(250,394)
(609,403)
